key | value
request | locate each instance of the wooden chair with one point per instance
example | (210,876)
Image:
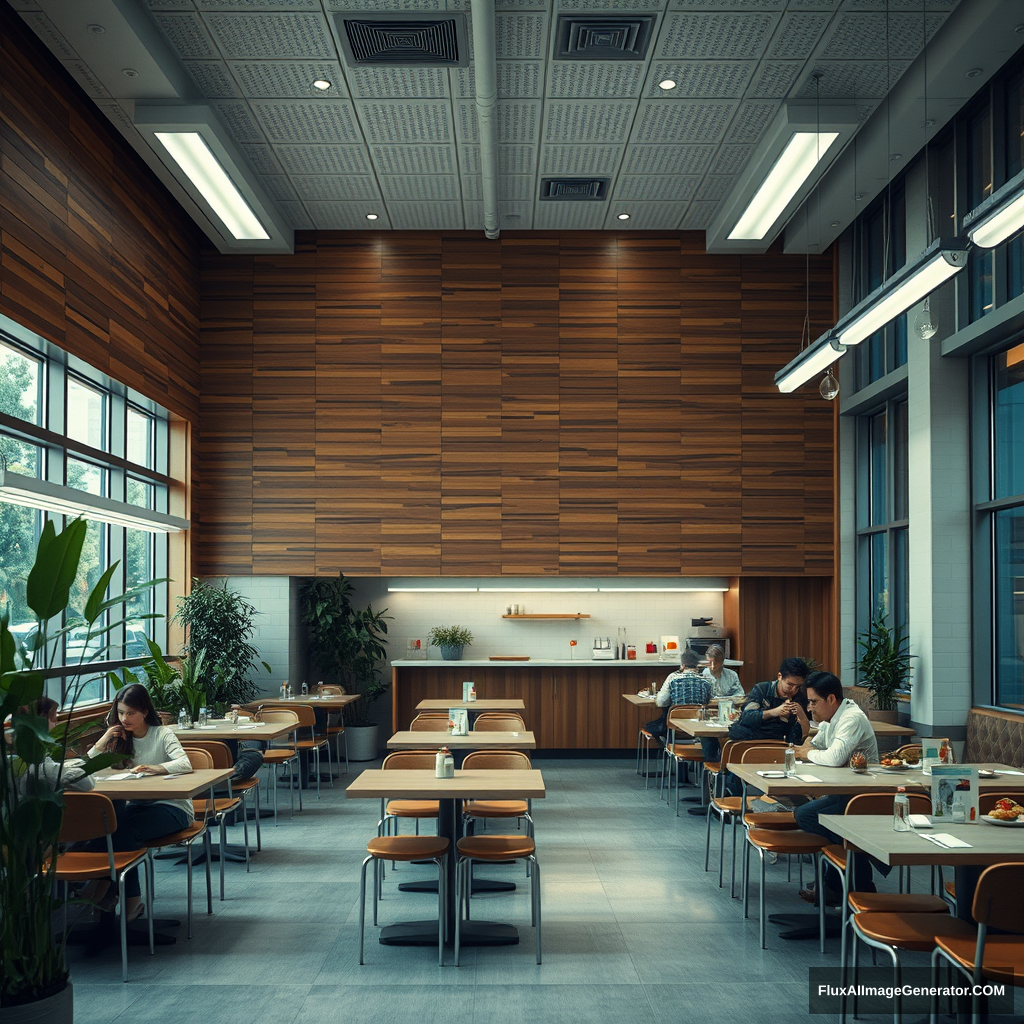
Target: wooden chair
(92,816)
(998,903)
(406,848)
(282,755)
(393,810)
(429,722)
(678,754)
(213,808)
(486,716)
(313,742)
(336,724)
(499,723)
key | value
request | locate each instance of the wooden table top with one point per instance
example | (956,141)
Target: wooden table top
(695,727)
(476,783)
(491,704)
(330,702)
(637,701)
(843,780)
(224,730)
(891,729)
(410,740)
(162,787)
(873,833)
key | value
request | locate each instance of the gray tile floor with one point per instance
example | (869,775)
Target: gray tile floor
(634,930)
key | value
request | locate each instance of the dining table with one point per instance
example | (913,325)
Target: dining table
(472,784)
(473,740)
(480,704)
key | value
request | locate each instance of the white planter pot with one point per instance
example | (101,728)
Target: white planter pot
(362,742)
(57,1009)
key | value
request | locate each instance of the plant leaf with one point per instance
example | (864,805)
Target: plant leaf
(57,556)
(93,604)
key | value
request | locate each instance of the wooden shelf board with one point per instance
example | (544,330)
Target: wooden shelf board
(579,615)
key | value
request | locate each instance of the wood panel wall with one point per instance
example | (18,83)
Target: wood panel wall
(94,254)
(548,403)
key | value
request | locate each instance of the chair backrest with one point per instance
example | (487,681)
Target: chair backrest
(500,723)
(881,803)
(87,816)
(685,711)
(734,748)
(986,801)
(429,723)
(331,691)
(279,716)
(501,760)
(999,898)
(764,753)
(501,714)
(199,759)
(220,752)
(410,760)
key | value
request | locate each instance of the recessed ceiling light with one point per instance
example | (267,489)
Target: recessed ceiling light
(667,84)
(129,72)
(371,216)
(895,156)
(321,84)
(623,216)
(835,223)
(97,29)
(974,72)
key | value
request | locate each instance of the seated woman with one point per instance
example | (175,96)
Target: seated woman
(134,730)
(49,772)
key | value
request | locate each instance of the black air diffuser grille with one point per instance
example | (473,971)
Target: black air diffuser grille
(403,42)
(599,37)
(574,189)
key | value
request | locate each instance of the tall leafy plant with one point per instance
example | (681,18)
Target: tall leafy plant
(32,761)
(220,627)
(884,666)
(346,643)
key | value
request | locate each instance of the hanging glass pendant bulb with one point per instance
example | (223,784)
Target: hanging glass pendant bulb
(924,326)
(829,386)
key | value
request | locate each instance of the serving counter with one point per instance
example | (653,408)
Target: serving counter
(570,705)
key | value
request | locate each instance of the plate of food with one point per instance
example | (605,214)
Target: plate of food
(986,773)
(892,763)
(1006,812)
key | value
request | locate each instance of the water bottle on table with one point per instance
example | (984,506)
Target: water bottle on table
(790,765)
(901,811)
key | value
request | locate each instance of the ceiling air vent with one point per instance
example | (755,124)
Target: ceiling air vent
(603,37)
(574,189)
(396,40)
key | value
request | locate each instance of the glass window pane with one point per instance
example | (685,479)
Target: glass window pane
(140,438)
(1014,125)
(900,578)
(942,190)
(1009,607)
(901,468)
(877,479)
(90,567)
(979,270)
(979,157)
(86,414)
(138,569)
(1008,444)
(22,457)
(879,576)
(140,493)
(19,529)
(20,385)
(84,476)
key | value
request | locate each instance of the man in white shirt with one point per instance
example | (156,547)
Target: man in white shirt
(843,730)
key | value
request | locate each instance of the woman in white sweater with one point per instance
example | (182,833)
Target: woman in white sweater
(134,730)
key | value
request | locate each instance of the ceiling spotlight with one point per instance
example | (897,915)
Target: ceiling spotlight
(667,84)
(96,29)
(129,72)
(321,84)
(895,157)
(371,216)
(835,224)
(623,216)
(974,72)
(858,196)
(930,123)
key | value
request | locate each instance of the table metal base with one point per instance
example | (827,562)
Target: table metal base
(805,926)
(479,885)
(106,933)
(474,933)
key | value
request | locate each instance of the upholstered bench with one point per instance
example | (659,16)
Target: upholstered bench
(996,736)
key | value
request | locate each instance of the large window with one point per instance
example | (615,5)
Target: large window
(65,423)
(882,516)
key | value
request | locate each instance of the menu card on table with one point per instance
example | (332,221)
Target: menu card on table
(954,793)
(458,721)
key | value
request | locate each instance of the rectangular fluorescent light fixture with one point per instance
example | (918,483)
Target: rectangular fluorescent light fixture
(191,153)
(664,590)
(796,163)
(909,285)
(431,590)
(16,489)
(538,590)
(998,217)
(814,359)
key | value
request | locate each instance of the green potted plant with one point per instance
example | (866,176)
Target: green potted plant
(451,639)
(34,982)
(348,645)
(883,667)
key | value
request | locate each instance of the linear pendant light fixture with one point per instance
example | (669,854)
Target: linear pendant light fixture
(908,286)
(31,492)
(814,359)
(999,217)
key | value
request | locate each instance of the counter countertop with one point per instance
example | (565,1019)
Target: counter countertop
(645,664)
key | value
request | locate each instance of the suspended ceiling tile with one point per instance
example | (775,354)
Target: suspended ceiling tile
(653,188)
(660,159)
(325,121)
(426,216)
(608,5)
(336,187)
(385,5)
(405,121)
(698,79)
(347,216)
(729,5)
(258,5)
(168,5)
(334,159)
(516,78)
(699,216)
(715,187)
(644,216)
(775,79)
(511,159)
(420,188)
(580,216)
(798,35)
(699,121)
(240,122)
(262,158)
(598,122)
(86,78)
(511,187)
(576,159)
(750,122)
(862,35)
(213,78)
(516,120)
(724,36)
(901,5)
(511,216)
(731,159)
(270,79)
(188,35)
(578,78)
(843,79)
(279,187)
(520,35)
(414,159)
(272,36)
(398,83)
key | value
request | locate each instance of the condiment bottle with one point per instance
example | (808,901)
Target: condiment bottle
(449,764)
(901,811)
(439,763)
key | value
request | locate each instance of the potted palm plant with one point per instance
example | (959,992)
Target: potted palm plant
(348,645)
(883,667)
(34,982)
(451,639)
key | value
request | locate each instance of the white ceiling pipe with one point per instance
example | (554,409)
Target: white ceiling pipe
(485,71)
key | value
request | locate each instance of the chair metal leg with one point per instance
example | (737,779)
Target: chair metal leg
(441,873)
(223,849)
(362,906)
(535,895)
(760,897)
(124,927)
(460,870)
(245,826)
(208,843)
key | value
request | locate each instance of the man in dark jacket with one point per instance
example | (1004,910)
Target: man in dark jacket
(777,709)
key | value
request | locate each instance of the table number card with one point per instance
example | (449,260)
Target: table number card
(954,794)
(458,721)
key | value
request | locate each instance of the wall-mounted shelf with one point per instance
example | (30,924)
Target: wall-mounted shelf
(578,615)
